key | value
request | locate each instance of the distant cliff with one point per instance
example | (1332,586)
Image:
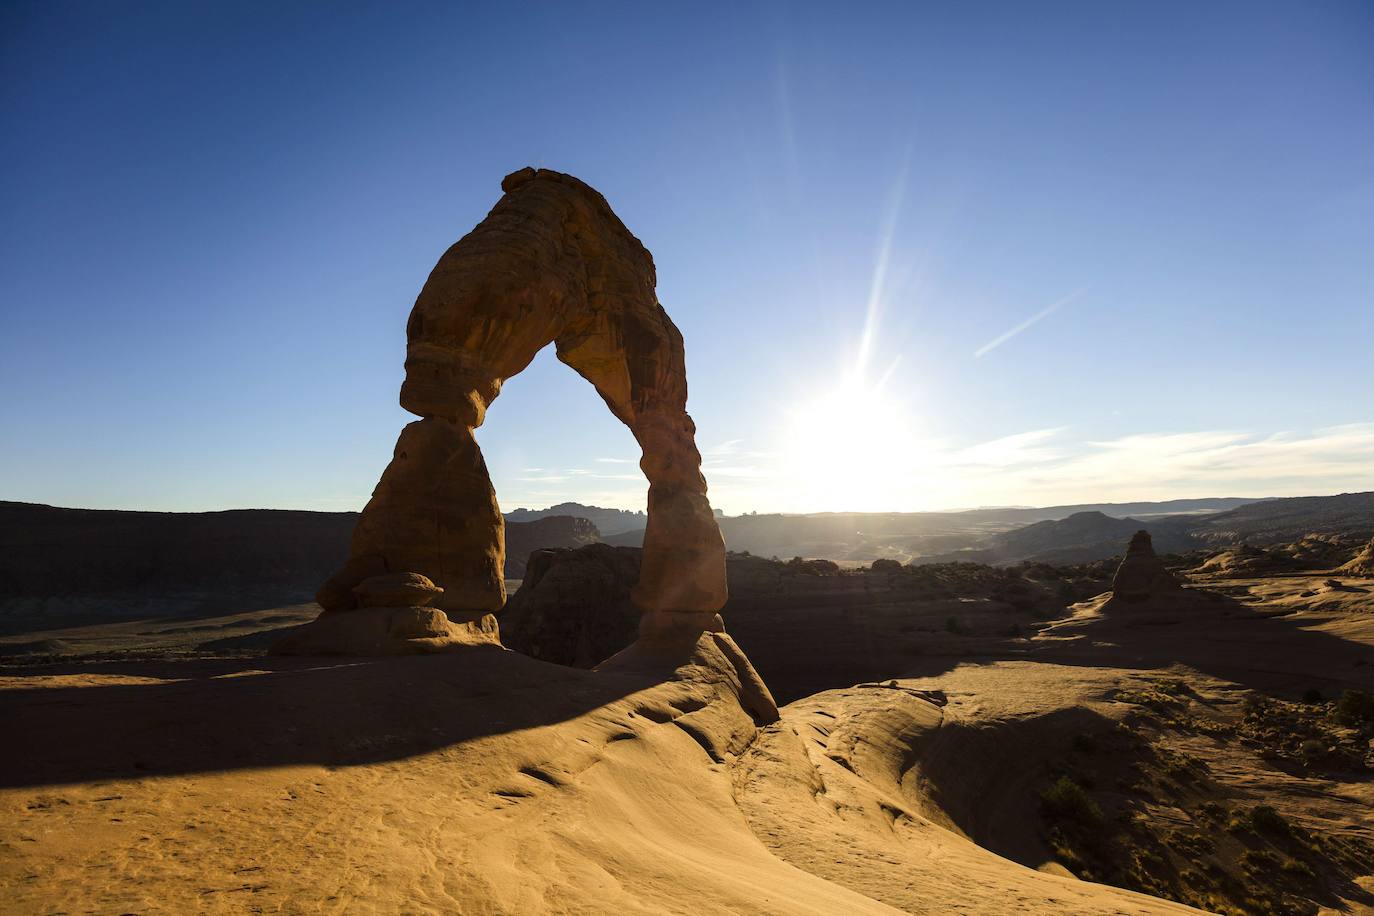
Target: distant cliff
(86,564)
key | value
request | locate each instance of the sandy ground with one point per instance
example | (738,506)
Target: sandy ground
(486,782)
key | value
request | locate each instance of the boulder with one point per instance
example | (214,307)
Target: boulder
(383,631)
(573,606)
(399,589)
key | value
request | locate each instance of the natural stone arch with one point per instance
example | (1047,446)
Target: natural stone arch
(553,264)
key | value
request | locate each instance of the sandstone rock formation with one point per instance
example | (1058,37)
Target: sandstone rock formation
(553,264)
(1142,575)
(394,620)
(1246,562)
(1363,563)
(573,606)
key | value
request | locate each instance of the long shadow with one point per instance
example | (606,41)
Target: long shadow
(195,716)
(1217,635)
(809,650)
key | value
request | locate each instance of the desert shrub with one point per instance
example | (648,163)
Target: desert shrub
(1191,843)
(1299,871)
(1355,707)
(1085,743)
(1313,697)
(1265,818)
(814,567)
(1212,811)
(1066,799)
(886,565)
(1259,860)
(952,625)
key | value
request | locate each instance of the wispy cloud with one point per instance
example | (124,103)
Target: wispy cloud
(1044,313)
(1047,466)
(617,460)
(729,447)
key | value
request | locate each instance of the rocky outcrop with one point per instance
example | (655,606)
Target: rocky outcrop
(1142,575)
(394,620)
(1363,562)
(551,264)
(574,606)
(1246,561)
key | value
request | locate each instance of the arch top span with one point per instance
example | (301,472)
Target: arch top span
(550,264)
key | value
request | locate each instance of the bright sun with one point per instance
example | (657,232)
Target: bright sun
(849,450)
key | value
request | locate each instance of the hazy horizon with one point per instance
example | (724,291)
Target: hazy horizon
(922,256)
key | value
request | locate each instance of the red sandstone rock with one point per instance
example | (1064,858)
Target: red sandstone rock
(551,264)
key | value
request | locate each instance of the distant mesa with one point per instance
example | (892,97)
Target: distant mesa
(1142,575)
(608,522)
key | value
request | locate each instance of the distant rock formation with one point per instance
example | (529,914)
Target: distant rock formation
(523,538)
(1142,575)
(1363,563)
(553,264)
(1246,561)
(573,607)
(607,521)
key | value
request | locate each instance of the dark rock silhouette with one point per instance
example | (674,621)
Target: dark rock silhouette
(1142,575)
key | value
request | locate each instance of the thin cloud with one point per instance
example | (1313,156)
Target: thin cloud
(616,460)
(728,447)
(1044,313)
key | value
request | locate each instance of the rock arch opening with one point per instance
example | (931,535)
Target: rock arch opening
(551,264)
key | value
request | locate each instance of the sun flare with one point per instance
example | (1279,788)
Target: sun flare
(849,449)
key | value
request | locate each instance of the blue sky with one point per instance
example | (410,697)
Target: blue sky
(923,255)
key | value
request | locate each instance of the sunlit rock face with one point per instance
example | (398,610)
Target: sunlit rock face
(1142,575)
(1363,563)
(551,264)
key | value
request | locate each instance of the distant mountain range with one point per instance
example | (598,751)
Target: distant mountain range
(72,564)
(1094,535)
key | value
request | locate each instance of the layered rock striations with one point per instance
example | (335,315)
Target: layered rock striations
(551,264)
(1363,562)
(394,618)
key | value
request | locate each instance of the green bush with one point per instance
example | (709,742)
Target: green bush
(1355,707)
(1066,799)
(1267,819)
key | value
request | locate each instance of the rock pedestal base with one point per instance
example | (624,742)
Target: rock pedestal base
(711,657)
(384,631)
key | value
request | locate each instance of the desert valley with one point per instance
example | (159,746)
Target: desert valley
(1016,554)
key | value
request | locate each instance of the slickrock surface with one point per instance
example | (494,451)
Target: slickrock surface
(551,264)
(516,787)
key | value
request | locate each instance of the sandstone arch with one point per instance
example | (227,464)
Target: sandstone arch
(550,264)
